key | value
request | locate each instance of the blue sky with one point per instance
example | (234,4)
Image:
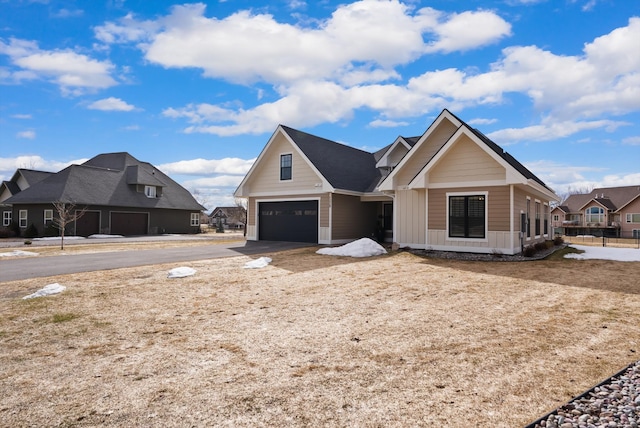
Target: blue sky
(197,89)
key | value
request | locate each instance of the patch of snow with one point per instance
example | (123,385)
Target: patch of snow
(258,263)
(181,272)
(47,290)
(17,253)
(100,235)
(605,253)
(585,236)
(364,247)
(53,238)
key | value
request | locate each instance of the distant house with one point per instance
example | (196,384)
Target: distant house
(451,189)
(228,217)
(119,194)
(608,211)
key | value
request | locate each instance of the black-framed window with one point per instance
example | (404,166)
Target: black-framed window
(285,167)
(528,218)
(467,217)
(537,218)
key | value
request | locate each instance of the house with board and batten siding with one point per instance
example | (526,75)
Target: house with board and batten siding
(450,189)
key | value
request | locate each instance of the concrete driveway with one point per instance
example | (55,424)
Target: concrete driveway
(36,267)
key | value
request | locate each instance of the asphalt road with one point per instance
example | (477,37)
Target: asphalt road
(36,267)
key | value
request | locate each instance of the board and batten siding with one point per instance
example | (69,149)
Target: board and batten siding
(410,224)
(267,178)
(466,162)
(352,219)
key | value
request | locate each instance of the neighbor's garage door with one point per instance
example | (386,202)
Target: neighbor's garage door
(88,224)
(295,221)
(129,223)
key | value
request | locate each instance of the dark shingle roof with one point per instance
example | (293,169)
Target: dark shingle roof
(105,180)
(342,166)
(33,176)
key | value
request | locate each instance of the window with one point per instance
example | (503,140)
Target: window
(195,219)
(150,191)
(546,220)
(467,218)
(6,218)
(635,233)
(633,218)
(22,216)
(285,167)
(537,225)
(594,215)
(556,217)
(48,216)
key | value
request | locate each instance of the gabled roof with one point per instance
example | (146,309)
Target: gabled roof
(344,167)
(227,211)
(106,180)
(32,176)
(613,198)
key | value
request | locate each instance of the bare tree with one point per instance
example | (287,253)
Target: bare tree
(584,190)
(242,203)
(66,213)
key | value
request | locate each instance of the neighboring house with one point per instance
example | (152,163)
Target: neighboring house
(119,194)
(607,211)
(450,189)
(228,217)
(21,180)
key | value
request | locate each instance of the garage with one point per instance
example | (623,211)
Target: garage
(88,224)
(294,221)
(129,223)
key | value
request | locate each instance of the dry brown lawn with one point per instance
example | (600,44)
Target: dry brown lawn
(312,340)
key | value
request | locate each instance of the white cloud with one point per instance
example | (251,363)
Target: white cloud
(386,123)
(235,166)
(110,104)
(8,166)
(30,135)
(632,141)
(231,181)
(550,131)
(74,73)
(21,116)
(467,30)
(68,13)
(246,47)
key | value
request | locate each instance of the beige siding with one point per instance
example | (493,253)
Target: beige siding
(352,219)
(425,152)
(520,206)
(466,162)
(627,228)
(410,217)
(497,200)
(266,178)
(499,237)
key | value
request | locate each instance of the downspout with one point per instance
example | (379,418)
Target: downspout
(511,214)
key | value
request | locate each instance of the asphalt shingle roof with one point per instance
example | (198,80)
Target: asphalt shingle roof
(613,198)
(105,180)
(342,166)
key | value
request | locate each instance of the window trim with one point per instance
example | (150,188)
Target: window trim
(537,223)
(484,194)
(7,217)
(47,218)
(588,216)
(289,168)
(528,217)
(150,192)
(22,218)
(629,217)
(195,219)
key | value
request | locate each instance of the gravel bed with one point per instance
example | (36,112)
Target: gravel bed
(614,403)
(479,257)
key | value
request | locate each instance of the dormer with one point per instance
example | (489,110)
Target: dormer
(395,153)
(145,181)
